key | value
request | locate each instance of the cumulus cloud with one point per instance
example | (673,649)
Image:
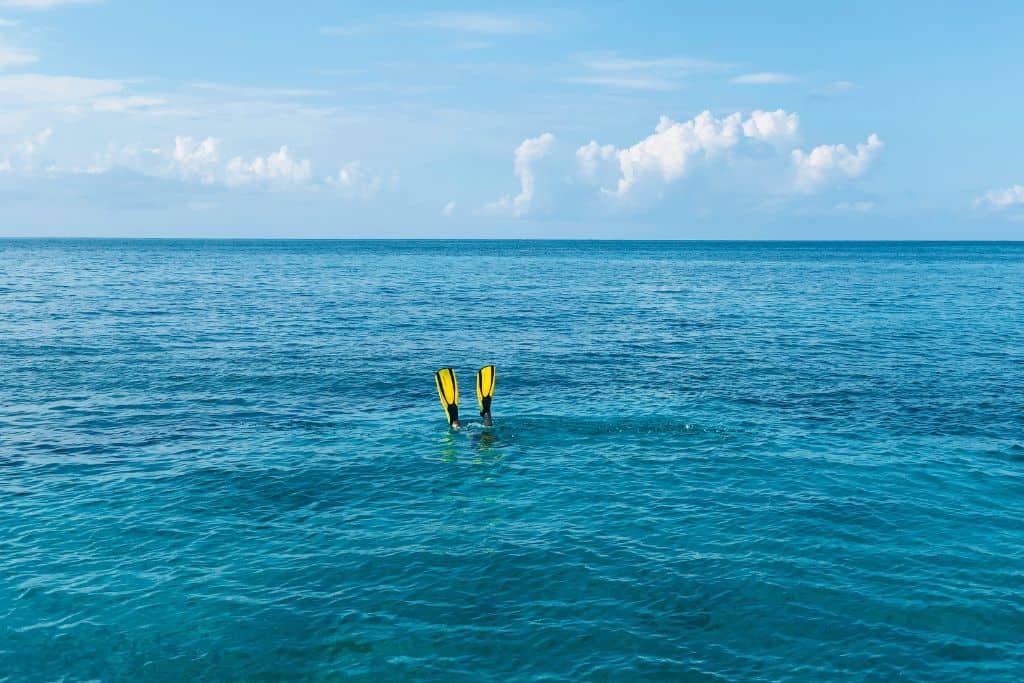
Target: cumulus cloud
(527,155)
(201,160)
(675,147)
(279,168)
(736,154)
(193,159)
(354,182)
(198,160)
(595,160)
(830,163)
(775,127)
(1002,198)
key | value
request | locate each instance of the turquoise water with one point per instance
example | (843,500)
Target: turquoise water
(711,462)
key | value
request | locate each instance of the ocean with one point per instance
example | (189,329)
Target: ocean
(737,461)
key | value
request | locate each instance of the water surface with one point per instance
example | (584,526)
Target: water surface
(712,461)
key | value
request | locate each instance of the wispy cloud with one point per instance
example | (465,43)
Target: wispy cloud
(23,157)
(483,22)
(45,4)
(857,207)
(664,73)
(473,45)
(612,62)
(833,89)
(45,89)
(342,30)
(128,103)
(256,92)
(1002,198)
(13,57)
(625,82)
(764,78)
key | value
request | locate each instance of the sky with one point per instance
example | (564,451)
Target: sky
(594,120)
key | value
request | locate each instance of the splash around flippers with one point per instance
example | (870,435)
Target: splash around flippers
(448,391)
(485,378)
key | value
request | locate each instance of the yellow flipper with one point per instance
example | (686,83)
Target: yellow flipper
(485,388)
(448,391)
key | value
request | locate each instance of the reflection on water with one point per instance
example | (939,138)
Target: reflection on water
(484,446)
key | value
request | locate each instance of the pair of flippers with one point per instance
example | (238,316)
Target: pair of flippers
(448,390)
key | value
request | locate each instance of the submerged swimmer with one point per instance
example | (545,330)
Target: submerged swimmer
(448,391)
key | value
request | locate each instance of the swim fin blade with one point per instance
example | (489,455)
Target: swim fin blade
(485,392)
(448,390)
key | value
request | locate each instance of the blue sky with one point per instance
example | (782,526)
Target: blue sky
(594,120)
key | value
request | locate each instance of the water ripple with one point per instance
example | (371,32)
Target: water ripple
(712,462)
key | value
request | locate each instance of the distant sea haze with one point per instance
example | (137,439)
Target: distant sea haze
(729,461)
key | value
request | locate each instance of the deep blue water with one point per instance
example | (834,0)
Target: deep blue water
(711,461)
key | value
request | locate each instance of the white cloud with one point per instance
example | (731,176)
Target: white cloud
(829,163)
(833,89)
(345,30)
(669,154)
(776,127)
(763,78)
(482,22)
(354,182)
(128,103)
(859,207)
(249,92)
(448,209)
(46,4)
(527,154)
(24,156)
(473,45)
(13,57)
(49,90)
(6,23)
(736,155)
(625,82)
(592,158)
(1002,198)
(195,159)
(659,74)
(279,168)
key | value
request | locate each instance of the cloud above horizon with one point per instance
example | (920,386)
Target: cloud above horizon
(199,161)
(833,163)
(1002,198)
(24,156)
(525,158)
(11,57)
(643,173)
